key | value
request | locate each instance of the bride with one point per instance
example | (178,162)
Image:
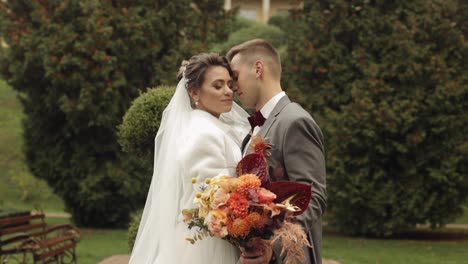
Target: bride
(199,137)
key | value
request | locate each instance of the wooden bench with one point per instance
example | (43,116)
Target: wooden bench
(29,238)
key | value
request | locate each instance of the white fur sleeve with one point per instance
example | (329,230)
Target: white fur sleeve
(205,155)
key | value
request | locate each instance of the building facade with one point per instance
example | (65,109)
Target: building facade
(261,10)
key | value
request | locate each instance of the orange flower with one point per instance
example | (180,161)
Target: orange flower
(238,204)
(246,182)
(255,220)
(259,146)
(238,228)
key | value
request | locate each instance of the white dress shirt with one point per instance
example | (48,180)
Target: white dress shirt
(266,111)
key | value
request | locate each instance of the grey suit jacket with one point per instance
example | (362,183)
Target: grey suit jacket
(298,155)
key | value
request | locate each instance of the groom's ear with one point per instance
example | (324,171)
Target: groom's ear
(259,69)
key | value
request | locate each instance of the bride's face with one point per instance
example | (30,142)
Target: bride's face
(215,95)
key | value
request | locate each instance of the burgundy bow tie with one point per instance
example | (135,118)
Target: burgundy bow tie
(256,120)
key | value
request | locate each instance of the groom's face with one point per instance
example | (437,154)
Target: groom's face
(244,81)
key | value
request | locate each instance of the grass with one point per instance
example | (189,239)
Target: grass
(350,250)
(97,244)
(18,188)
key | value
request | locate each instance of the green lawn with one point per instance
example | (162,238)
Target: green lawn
(18,188)
(391,251)
(97,244)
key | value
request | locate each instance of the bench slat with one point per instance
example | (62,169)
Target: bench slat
(37,237)
(19,219)
(54,252)
(9,251)
(14,239)
(56,240)
(22,228)
(49,229)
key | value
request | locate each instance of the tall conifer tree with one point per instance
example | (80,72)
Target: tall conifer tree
(77,66)
(387,82)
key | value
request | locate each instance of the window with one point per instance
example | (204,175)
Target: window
(248,13)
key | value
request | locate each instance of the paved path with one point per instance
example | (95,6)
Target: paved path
(123,259)
(58,215)
(116,259)
(448,226)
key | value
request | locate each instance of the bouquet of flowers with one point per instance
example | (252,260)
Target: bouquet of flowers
(245,207)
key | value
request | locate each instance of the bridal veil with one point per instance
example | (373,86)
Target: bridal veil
(155,241)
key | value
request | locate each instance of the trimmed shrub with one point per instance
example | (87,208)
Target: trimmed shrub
(257,30)
(136,136)
(78,65)
(241,23)
(281,21)
(387,82)
(141,123)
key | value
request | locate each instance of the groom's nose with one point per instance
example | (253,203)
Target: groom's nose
(234,87)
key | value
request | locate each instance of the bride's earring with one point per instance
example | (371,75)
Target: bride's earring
(196,103)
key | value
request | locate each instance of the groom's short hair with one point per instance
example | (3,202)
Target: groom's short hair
(255,49)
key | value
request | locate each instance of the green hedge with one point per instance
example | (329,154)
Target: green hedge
(77,66)
(386,81)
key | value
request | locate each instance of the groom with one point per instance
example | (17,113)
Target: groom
(298,149)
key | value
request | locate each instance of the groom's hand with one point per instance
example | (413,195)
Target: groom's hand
(259,255)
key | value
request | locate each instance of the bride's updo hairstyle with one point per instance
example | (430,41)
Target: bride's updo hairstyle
(194,69)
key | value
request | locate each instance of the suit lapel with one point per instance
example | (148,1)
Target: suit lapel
(246,140)
(273,116)
(268,123)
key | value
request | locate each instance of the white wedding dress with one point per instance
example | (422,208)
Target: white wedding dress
(190,144)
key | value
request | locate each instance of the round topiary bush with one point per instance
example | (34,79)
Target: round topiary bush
(270,33)
(136,137)
(141,122)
